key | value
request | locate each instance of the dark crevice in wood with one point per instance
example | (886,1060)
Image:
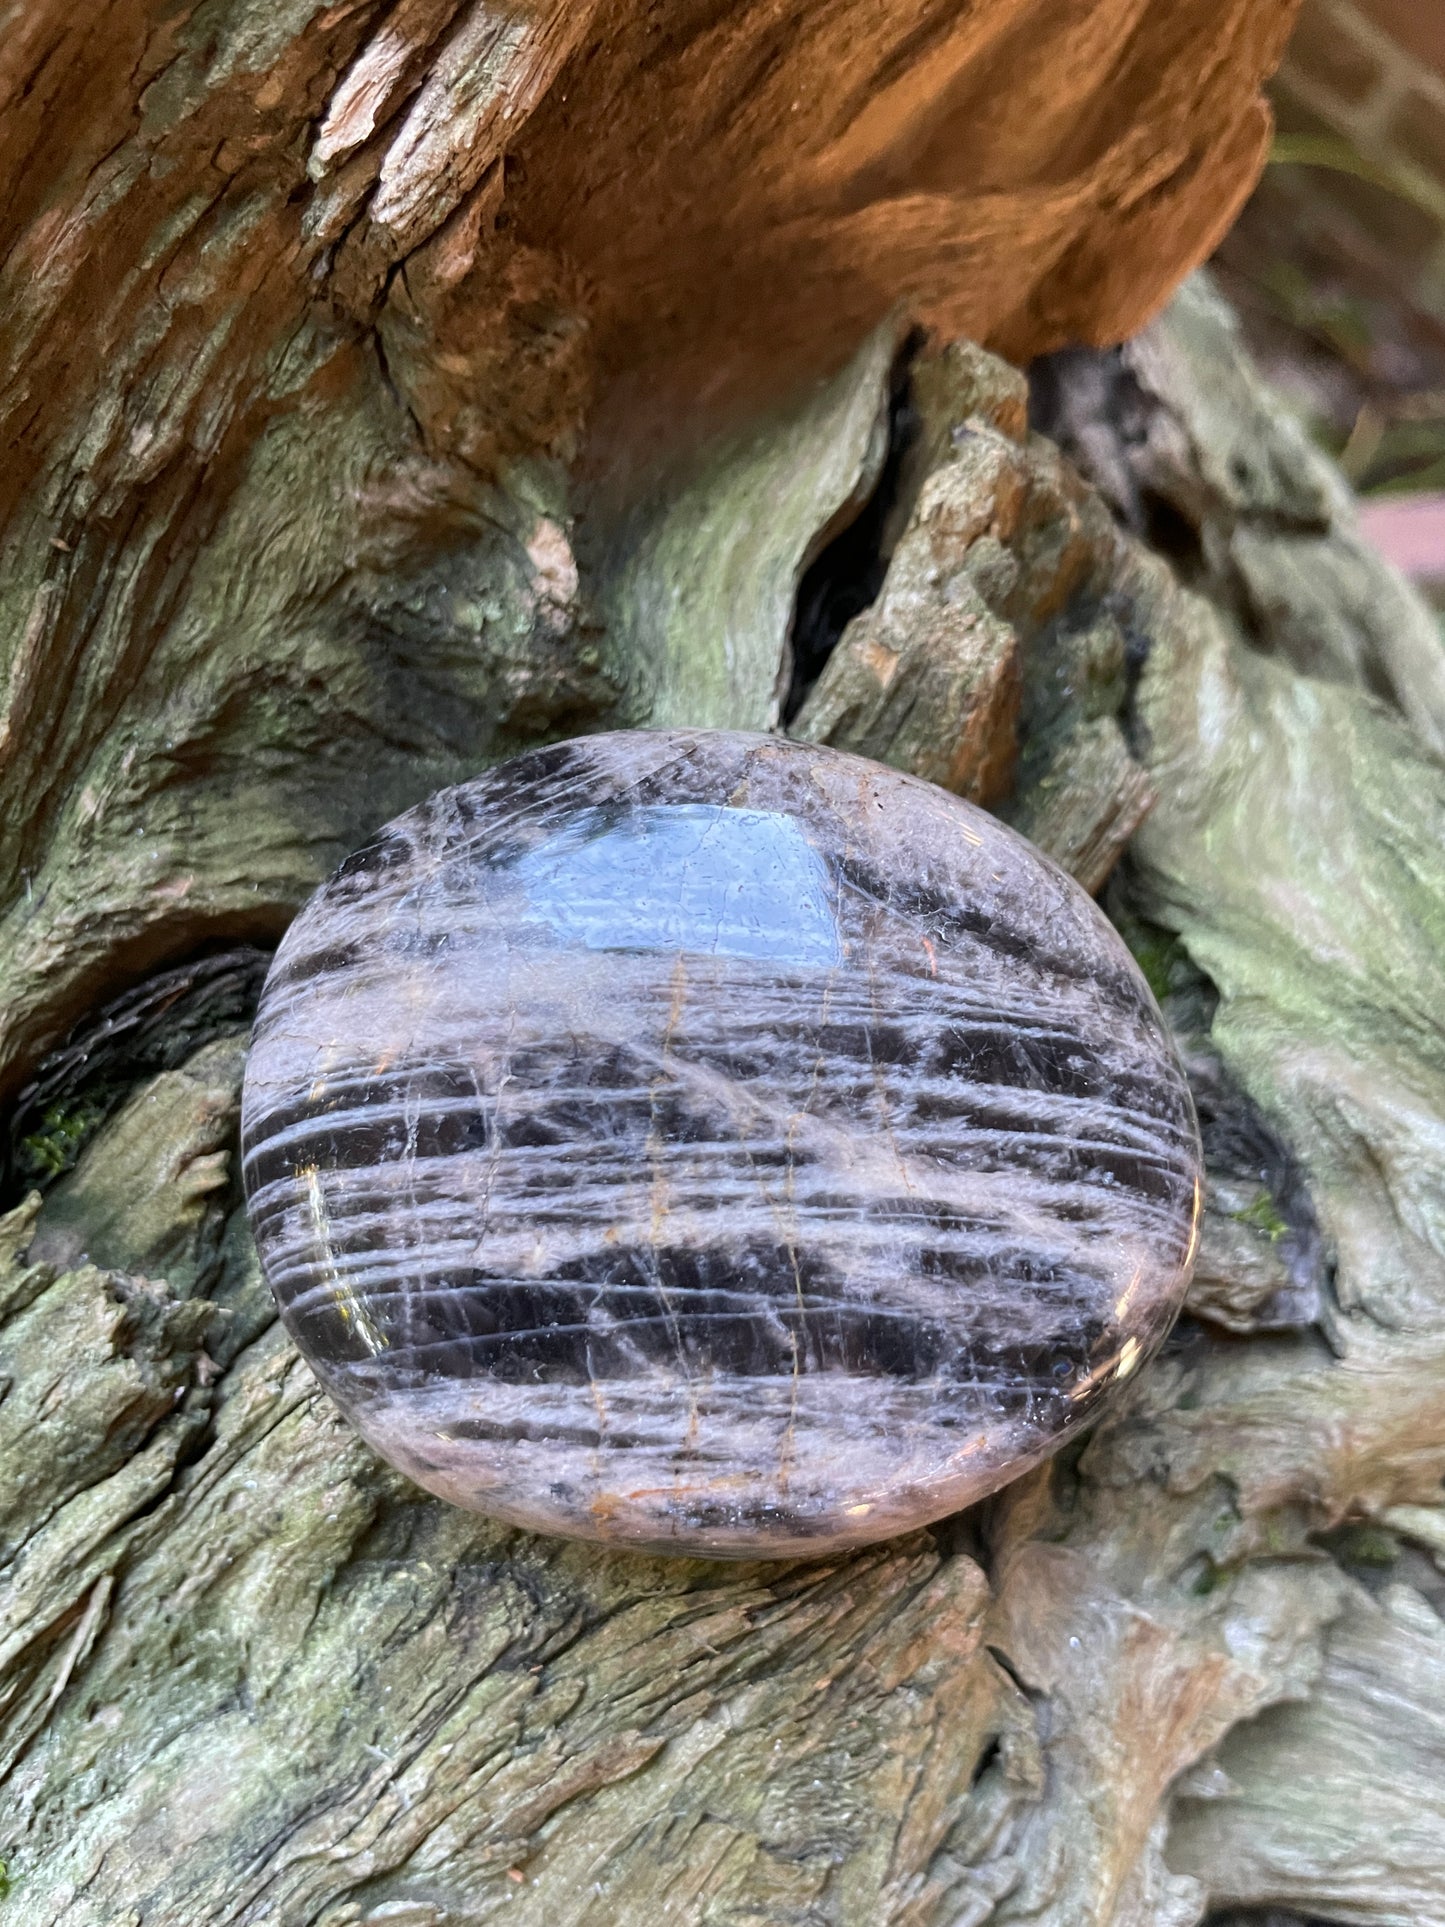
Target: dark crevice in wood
(152,1027)
(1265,1917)
(1006,1665)
(847,576)
(1092,404)
(985,1759)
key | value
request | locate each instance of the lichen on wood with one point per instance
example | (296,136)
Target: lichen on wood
(389,1711)
(356,434)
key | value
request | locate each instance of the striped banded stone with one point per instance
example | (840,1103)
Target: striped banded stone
(714,1143)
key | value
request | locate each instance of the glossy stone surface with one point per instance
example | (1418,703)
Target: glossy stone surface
(714,1143)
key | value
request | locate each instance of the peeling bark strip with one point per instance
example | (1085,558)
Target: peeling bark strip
(473,103)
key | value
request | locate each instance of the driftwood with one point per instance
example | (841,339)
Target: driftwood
(343,364)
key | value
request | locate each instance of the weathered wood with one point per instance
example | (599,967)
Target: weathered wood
(994,660)
(1185,440)
(356,434)
(385,1711)
(303,313)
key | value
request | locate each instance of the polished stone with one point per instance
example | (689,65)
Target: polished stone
(714,1143)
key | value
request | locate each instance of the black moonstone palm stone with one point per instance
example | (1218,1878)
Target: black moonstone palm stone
(714,1143)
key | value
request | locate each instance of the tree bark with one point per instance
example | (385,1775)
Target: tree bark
(386,390)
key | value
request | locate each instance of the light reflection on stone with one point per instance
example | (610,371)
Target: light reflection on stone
(687,877)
